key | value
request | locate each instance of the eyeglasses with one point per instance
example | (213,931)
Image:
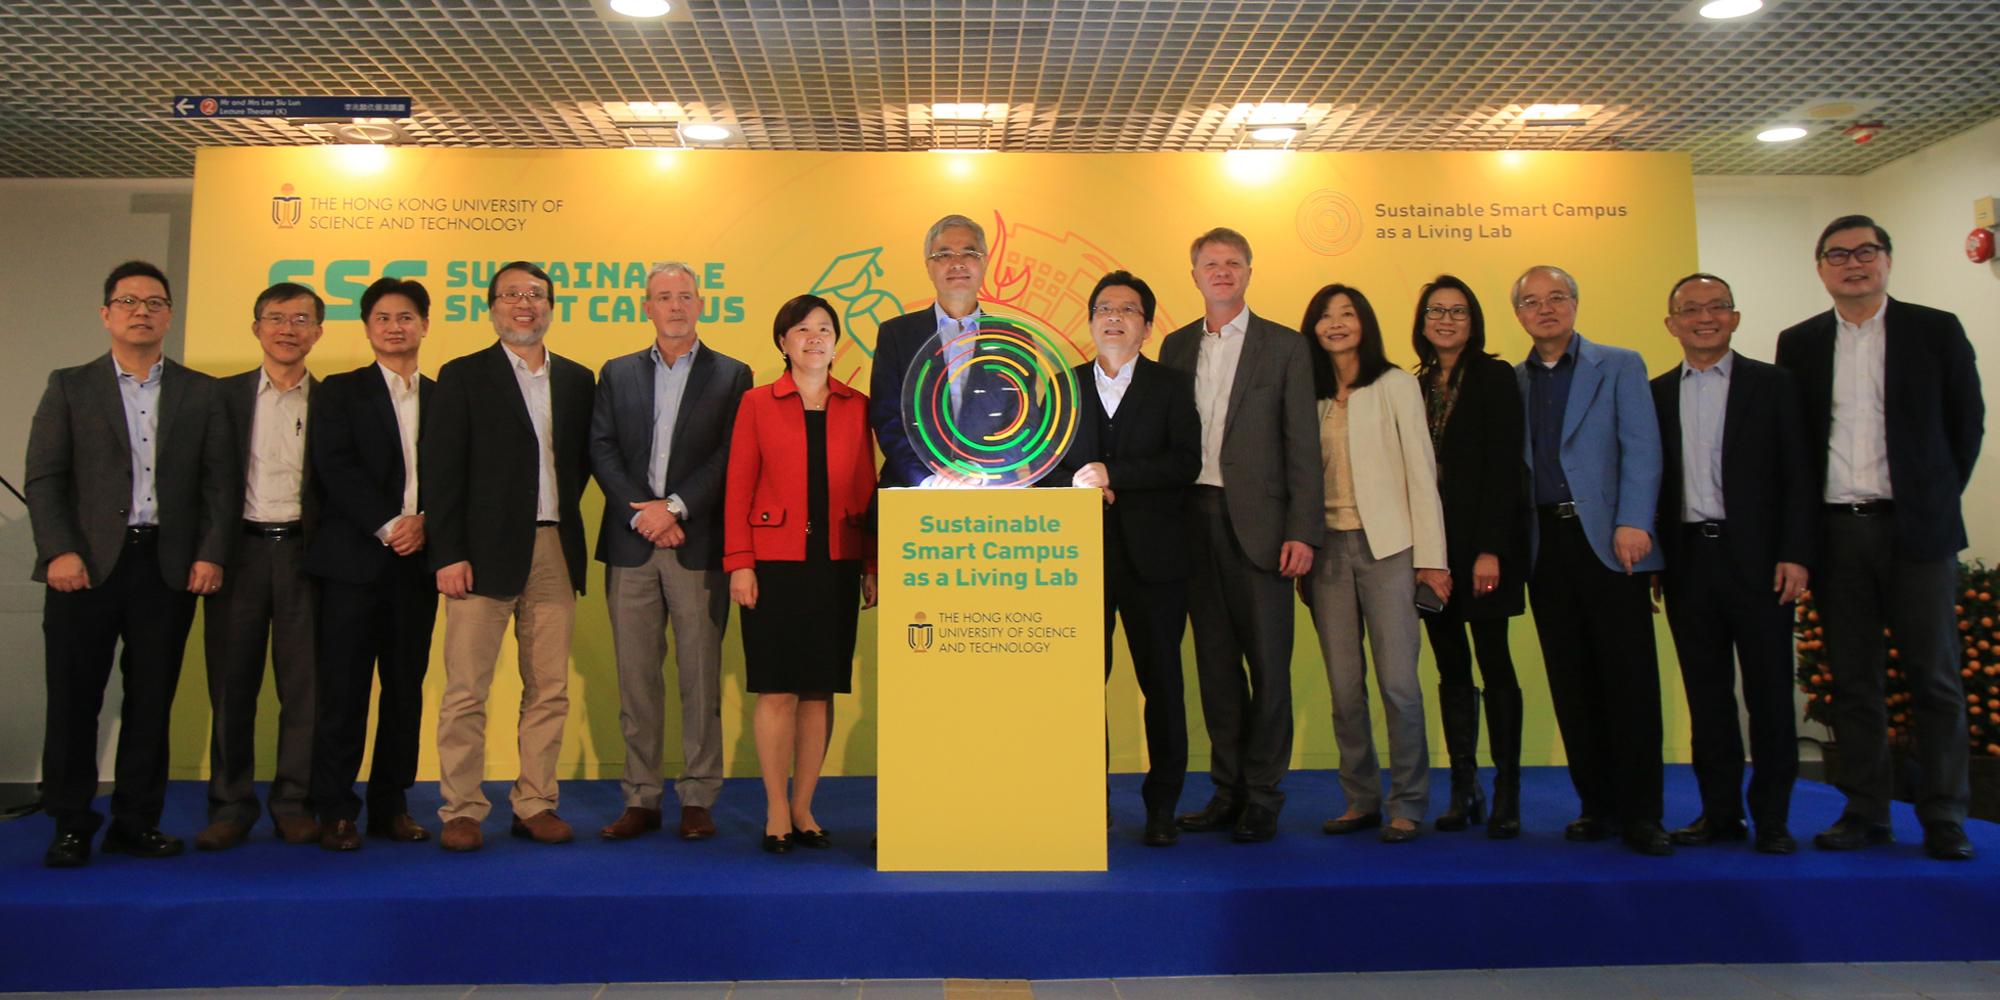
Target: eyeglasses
(1127,311)
(133,304)
(1442,312)
(523,295)
(1695,309)
(1866,252)
(298,321)
(948,256)
(1555,300)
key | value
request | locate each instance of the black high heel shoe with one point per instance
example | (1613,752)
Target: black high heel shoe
(777,845)
(817,839)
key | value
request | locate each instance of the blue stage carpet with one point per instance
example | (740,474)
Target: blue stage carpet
(659,909)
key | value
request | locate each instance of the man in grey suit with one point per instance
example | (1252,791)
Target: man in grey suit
(1258,516)
(268,600)
(132,493)
(659,446)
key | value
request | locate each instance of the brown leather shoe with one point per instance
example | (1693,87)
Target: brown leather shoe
(544,827)
(220,835)
(633,822)
(298,829)
(461,834)
(343,835)
(696,824)
(399,828)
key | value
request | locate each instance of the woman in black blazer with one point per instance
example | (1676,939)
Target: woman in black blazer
(1474,408)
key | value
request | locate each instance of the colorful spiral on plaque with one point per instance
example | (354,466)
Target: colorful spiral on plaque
(991,406)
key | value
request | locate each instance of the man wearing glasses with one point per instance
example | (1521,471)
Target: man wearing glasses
(133,497)
(268,599)
(955,258)
(504,459)
(1736,520)
(1593,455)
(1894,414)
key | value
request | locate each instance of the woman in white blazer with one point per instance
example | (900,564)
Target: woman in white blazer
(1385,536)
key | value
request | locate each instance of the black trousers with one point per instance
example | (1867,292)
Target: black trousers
(1863,586)
(81,631)
(266,600)
(1155,616)
(1240,613)
(1596,632)
(1454,656)
(365,629)
(1720,620)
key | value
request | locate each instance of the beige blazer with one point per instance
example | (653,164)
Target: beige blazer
(1395,473)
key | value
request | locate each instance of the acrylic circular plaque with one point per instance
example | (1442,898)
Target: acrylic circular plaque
(991,406)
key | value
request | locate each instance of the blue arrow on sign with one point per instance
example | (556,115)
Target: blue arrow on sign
(216,106)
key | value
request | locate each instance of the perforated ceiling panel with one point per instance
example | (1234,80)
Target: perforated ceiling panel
(87,84)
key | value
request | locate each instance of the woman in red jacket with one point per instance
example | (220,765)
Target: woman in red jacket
(800,557)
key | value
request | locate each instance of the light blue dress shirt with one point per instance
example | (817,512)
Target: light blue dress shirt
(669,386)
(1704,407)
(142,427)
(956,355)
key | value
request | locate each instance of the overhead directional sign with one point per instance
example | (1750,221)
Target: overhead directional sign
(215,106)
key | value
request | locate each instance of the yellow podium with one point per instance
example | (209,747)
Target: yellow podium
(990,646)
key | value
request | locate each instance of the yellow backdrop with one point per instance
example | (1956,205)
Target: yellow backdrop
(762,227)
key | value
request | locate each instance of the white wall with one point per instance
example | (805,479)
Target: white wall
(61,239)
(1759,232)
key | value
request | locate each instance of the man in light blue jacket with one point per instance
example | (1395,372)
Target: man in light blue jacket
(1593,454)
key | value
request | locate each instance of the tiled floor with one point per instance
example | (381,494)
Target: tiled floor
(1954,980)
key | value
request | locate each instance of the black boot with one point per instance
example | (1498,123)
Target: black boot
(1503,739)
(1459,704)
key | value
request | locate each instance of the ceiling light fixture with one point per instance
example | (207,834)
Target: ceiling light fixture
(1783,133)
(369,130)
(967,113)
(642,8)
(1274,133)
(1723,10)
(1556,115)
(705,132)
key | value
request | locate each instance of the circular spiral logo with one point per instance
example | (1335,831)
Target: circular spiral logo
(995,405)
(1329,222)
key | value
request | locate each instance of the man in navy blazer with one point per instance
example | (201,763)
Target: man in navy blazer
(377,596)
(1737,509)
(659,446)
(1139,441)
(1893,407)
(1593,454)
(955,259)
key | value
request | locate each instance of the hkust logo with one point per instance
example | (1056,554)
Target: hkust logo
(286,208)
(919,635)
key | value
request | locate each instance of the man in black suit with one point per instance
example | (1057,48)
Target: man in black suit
(268,599)
(378,597)
(1895,417)
(955,258)
(132,494)
(659,444)
(1258,515)
(1139,441)
(504,463)
(1736,511)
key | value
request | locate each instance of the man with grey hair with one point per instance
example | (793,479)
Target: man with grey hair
(1593,454)
(504,460)
(659,445)
(955,258)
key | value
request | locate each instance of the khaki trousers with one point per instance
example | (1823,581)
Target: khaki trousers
(543,614)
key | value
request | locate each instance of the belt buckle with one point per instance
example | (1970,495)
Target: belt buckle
(1566,510)
(1710,529)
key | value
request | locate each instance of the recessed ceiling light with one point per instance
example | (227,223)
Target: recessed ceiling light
(966,149)
(1722,10)
(642,8)
(706,132)
(965,112)
(1274,133)
(1783,133)
(1550,112)
(369,130)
